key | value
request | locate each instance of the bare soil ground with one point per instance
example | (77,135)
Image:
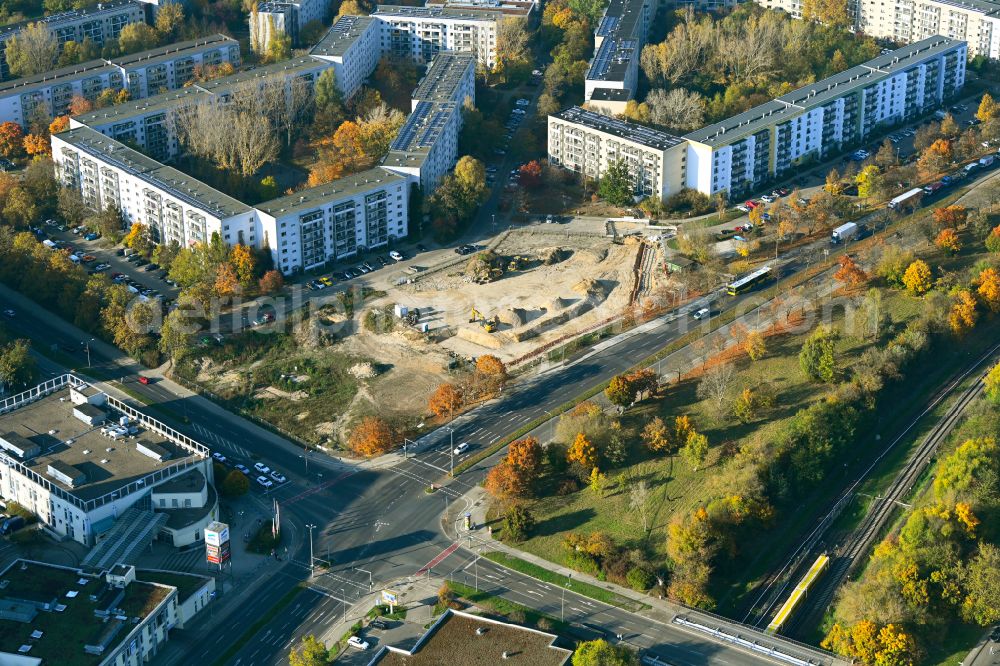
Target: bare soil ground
(572,281)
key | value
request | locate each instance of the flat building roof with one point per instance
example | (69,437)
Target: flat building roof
(62,635)
(646,136)
(342,188)
(67,443)
(444,75)
(341,36)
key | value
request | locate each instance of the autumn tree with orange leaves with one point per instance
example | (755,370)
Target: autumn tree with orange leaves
(371,437)
(583,452)
(934,159)
(492,370)
(226,282)
(446,400)
(60,124)
(514,477)
(951,216)
(271,282)
(36,144)
(963,313)
(948,241)
(11,139)
(243,261)
(850,273)
(989,288)
(80,105)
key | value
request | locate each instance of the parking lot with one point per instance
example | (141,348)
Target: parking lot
(95,258)
(261,476)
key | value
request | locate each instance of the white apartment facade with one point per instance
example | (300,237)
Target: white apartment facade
(589,142)
(100,23)
(422,32)
(976,22)
(354,47)
(283,16)
(357,212)
(847,108)
(142,74)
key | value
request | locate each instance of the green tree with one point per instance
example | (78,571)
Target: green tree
(310,652)
(517,523)
(176,333)
(616,185)
(816,357)
(17,366)
(982,587)
(279,47)
(870,181)
(236,484)
(695,450)
(602,653)
(137,37)
(992,382)
(32,51)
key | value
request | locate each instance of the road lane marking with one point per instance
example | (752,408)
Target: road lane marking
(440,557)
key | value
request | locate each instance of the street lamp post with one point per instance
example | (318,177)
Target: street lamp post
(305,456)
(343,600)
(88,351)
(451,449)
(562,607)
(312,562)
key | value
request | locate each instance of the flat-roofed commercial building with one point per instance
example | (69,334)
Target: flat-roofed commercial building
(354,46)
(481,642)
(80,459)
(421,33)
(117,616)
(142,74)
(100,22)
(589,142)
(618,40)
(811,122)
(336,219)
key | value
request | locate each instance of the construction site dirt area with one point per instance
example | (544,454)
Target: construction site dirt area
(531,288)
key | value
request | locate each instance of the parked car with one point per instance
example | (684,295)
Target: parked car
(218,456)
(379,623)
(265,482)
(357,643)
(243,468)
(9,314)
(326,281)
(261,467)
(278,476)
(396,256)
(91,236)
(11,524)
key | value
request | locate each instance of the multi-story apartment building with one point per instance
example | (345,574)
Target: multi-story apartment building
(512,8)
(148,123)
(99,23)
(976,22)
(301,230)
(284,16)
(313,226)
(770,139)
(589,142)
(847,108)
(354,46)
(426,147)
(421,32)
(618,40)
(142,74)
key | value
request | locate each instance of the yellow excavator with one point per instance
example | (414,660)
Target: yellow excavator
(489,325)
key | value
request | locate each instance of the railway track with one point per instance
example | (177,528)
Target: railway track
(848,553)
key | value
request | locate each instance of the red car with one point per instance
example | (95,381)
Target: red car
(750,204)
(143,379)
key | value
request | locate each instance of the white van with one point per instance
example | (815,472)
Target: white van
(702,313)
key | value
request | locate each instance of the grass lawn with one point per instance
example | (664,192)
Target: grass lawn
(548,576)
(678,488)
(295,389)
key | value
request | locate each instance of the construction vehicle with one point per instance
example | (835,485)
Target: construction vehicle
(517,263)
(489,325)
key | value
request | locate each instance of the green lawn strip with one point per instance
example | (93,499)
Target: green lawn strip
(510,609)
(578,586)
(245,637)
